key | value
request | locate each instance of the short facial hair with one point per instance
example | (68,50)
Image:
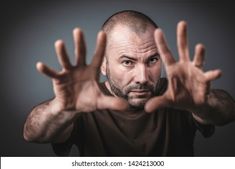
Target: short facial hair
(123,93)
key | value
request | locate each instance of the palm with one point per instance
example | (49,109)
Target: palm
(188,84)
(76,87)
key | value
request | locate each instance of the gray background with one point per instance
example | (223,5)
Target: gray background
(28,32)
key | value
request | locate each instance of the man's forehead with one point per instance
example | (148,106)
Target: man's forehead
(128,43)
(124,34)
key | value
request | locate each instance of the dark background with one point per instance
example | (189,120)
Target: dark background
(28,31)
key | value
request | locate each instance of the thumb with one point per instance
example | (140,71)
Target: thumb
(112,103)
(156,103)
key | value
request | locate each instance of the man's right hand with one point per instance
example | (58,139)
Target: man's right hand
(76,87)
(76,90)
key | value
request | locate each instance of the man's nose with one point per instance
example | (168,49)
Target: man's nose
(141,74)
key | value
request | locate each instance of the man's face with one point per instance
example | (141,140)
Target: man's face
(132,64)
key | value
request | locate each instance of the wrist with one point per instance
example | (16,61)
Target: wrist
(58,106)
(201,112)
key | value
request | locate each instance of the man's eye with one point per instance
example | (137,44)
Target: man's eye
(152,61)
(127,63)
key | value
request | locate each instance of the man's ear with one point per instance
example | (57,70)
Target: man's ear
(103,66)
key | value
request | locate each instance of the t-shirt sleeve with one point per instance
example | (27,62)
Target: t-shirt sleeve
(63,149)
(207,130)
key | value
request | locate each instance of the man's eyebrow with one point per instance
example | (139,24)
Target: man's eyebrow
(155,54)
(128,57)
(134,59)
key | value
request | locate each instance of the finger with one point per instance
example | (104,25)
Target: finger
(199,57)
(164,51)
(156,103)
(182,43)
(99,51)
(112,103)
(80,47)
(213,74)
(42,68)
(62,55)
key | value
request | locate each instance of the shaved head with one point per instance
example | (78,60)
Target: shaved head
(136,21)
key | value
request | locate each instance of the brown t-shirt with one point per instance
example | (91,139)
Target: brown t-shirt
(166,132)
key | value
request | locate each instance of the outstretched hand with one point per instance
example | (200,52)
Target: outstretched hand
(76,87)
(188,84)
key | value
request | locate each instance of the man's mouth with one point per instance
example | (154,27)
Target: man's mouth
(140,93)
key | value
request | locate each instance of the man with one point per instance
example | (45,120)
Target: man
(134,112)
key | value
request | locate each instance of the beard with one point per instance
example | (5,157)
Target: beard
(135,101)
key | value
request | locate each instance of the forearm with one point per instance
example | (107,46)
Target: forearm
(48,121)
(218,110)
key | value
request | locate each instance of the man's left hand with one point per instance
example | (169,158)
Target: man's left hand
(188,85)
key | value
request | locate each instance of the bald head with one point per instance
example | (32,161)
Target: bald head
(136,21)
